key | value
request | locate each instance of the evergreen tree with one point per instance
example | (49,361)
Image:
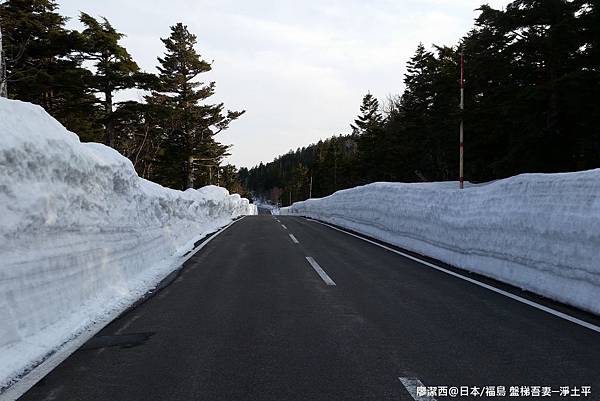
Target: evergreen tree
(370,119)
(585,82)
(442,132)
(41,66)
(190,147)
(489,100)
(369,128)
(114,68)
(545,41)
(415,109)
(139,135)
(230,178)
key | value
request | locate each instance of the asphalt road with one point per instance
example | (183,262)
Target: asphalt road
(250,318)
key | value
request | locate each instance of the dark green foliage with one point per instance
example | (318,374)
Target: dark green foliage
(331,163)
(138,136)
(531,105)
(169,139)
(532,99)
(191,153)
(42,67)
(368,127)
(228,177)
(114,68)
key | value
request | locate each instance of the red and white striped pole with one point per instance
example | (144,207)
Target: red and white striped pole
(462,107)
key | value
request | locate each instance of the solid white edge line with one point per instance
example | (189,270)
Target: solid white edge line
(294,239)
(411,384)
(525,301)
(25,383)
(320,271)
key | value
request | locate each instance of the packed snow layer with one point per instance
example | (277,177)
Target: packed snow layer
(81,235)
(265,206)
(540,232)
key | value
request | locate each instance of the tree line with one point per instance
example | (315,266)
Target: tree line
(169,137)
(532,90)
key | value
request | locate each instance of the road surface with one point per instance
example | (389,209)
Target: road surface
(289,309)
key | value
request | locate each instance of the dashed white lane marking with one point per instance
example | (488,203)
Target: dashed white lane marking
(411,385)
(284,226)
(525,301)
(294,239)
(320,271)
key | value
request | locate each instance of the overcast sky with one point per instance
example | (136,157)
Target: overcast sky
(299,68)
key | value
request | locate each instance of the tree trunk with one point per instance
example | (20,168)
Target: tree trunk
(108,109)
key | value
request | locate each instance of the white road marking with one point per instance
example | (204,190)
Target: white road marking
(320,271)
(284,226)
(411,385)
(525,301)
(294,239)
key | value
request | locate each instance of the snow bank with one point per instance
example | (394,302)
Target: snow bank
(540,232)
(81,235)
(265,205)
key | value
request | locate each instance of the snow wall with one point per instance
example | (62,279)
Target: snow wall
(539,232)
(81,235)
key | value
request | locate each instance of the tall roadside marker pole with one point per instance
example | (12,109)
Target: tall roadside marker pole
(461,174)
(3,89)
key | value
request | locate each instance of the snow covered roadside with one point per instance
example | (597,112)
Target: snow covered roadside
(540,232)
(265,206)
(81,235)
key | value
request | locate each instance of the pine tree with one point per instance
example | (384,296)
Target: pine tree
(415,111)
(585,106)
(369,128)
(370,118)
(42,66)
(490,104)
(531,99)
(229,178)
(115,68)
(191,126)
(138,130)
